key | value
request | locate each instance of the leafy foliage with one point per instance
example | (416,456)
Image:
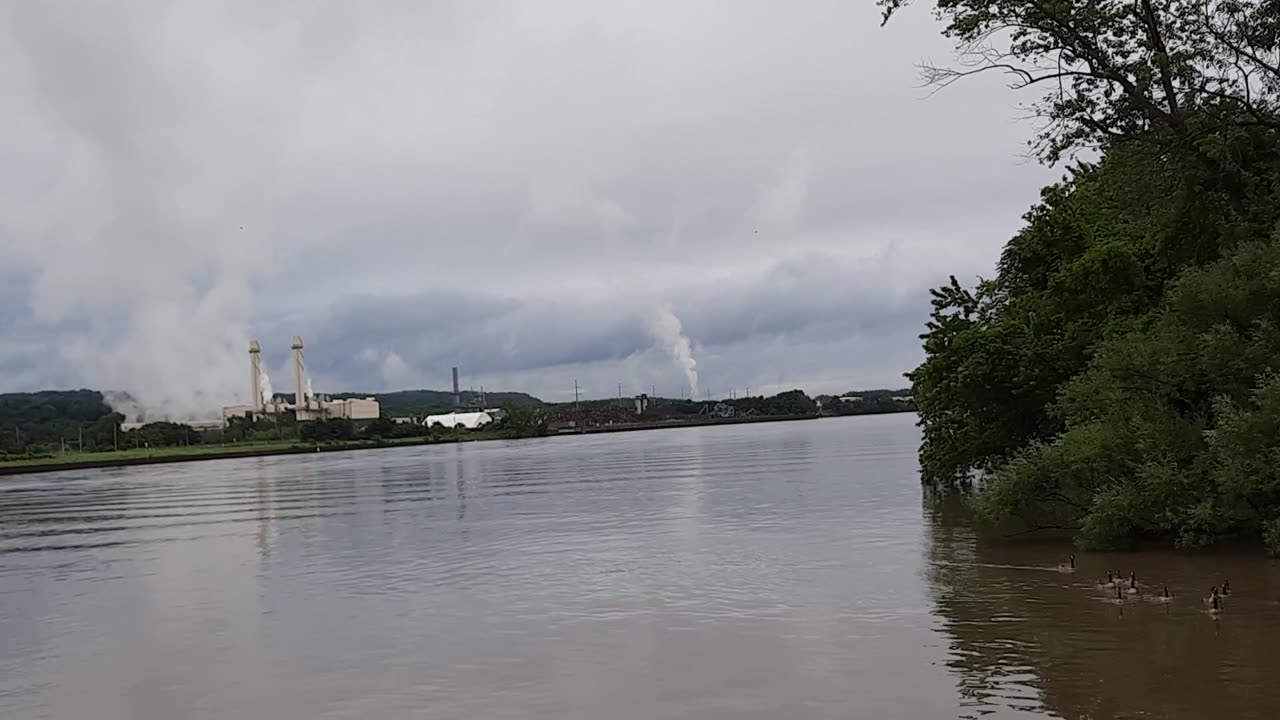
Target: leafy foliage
(789,402)
(1116,376)
(1174,72)
(523,420)
(335,429)
(47,418)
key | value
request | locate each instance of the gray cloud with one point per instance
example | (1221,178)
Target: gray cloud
(504,187)
(802,312)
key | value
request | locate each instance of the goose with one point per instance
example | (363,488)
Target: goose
(1110,582)
(1213,595)
(1070,567)
(1215,605)
(1133,584)
(1226,587)
(1165,596)
(1118,599)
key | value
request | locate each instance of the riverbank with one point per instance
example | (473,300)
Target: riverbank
(195,453)
(125,458)
(667,424)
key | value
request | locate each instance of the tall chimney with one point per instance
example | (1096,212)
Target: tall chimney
(299,395)
(255,370)
(457,396)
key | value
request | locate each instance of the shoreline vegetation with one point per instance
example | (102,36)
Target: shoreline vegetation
(1118,378)
(195,453)
(61,430)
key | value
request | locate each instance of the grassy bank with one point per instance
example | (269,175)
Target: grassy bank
(124,458)
(192,453)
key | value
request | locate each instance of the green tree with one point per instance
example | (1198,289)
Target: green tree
(1174,73)
(523,420)
(1114,376)
(330,430)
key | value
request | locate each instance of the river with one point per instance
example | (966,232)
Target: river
(787,570)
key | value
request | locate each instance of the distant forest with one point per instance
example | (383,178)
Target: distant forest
(414,403)
(49,421)
(867,402)
(50,417)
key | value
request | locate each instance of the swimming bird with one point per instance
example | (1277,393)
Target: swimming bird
(1215,605)
(1165,596)
(1118,599)
(1226,587)
(1069,568)
(1110,582)
(1133,584)
(1213,595)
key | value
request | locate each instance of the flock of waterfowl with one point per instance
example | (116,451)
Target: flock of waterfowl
(1126,587)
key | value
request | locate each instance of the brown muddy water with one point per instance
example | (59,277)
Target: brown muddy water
(785,570)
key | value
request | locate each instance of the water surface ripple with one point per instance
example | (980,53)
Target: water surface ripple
(764,571)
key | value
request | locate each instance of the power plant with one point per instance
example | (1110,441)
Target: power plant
(306,405)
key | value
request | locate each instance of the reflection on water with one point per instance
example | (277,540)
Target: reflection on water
(1029,641)
(743,571)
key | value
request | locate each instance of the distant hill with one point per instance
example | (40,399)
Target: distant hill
(404,403)
(876,394)
(47,417)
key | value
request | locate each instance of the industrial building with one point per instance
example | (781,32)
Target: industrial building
(305,406)
(467,420)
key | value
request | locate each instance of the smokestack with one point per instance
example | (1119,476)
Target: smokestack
(457,396)
(299,396)
(255,370)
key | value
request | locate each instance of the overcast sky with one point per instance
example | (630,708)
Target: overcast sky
(516,188)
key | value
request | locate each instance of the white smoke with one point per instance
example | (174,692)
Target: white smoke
(267,393)
(149,233)
(307,393)
(668,330)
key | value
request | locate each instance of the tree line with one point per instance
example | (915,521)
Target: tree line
(1116,377)
(867,402)
(43,424)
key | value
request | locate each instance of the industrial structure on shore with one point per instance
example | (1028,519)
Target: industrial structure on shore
(472,415)
(305,406)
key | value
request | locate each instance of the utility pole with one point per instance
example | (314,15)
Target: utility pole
(115,438)
(80,442)
(577,410)
(619,394)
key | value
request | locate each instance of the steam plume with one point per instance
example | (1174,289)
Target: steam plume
(144,251)
(667,329)
(267,393)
